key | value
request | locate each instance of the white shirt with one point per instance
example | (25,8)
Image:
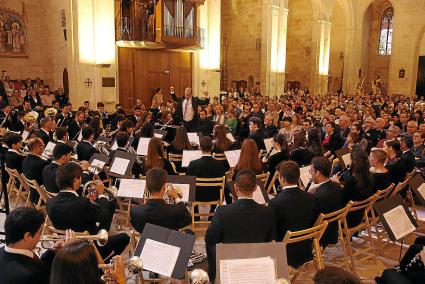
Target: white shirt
(188,111)
(24,252)
(70,191)
(289,186)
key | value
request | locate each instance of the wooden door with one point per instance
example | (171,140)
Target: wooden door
(126,78)
(420,82)
(180,72)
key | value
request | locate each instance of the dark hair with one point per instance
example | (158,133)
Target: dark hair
(333,274)
(12,138)
(287,118)
(289,171)
(407,139)
(61,150)
(155,179)
(221,142)
(322,165)
(33,143)
(315,142)
(122,138)
(75,263)
(100,104)
(205,143)
(299,139)
(86,132)
(61,132)
(67,173)
(255,120)
(281,140)
(155,155)
(360,169)
(331,123)
(246,180)
(395,144)
(126,124)
(20,221)
(249,158)
(181,141)
(95,125)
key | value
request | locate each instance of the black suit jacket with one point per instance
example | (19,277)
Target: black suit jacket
(32,167)
(244,221)
(206,167)
(270,131)
(195,103)
(44,136)
(21,269)
(409,160)
(74,129)
(17,125)
(295,211)
(302,156)
(258,137)
(329,198)
(157,212)
(49,177)
(85,150)
(397,169)
(68,211)
(14,161)
(206,127)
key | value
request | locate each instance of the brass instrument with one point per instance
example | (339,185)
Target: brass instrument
(90,189)
(131,150)
(134,265)
(198,276)
(102,147)
(50,112)
(101,238)
(167,196)
(31,119)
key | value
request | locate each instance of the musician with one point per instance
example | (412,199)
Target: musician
(295,211)
(18,262)
(155,210)
(19,124)
(328,196)
(410,271)
(61,155)
(33,165)
(280,145)
(102,114)
(156,157)
(85,148)
(14,157)
(6,119)
(206,167)
(136,116)
(77,263)
(46,127)
(187,109)
(61,135)
(242,222)
(65,117)
(122,140)
(69,210)
(256,133)
(75,125)
(406,145)
(206,125)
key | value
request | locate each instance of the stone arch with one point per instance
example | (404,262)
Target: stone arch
(419,39)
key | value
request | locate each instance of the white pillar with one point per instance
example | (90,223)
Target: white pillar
(321,52)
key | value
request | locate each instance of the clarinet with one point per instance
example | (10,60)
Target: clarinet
(414,265)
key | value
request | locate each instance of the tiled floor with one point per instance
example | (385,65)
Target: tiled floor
(366,270)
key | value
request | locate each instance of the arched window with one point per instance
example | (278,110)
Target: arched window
(386,35)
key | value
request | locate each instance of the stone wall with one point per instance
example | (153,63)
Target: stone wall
(240,30)
(46,44)
(336,58)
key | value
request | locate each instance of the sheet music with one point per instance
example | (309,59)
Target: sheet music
(184,188)
(25,135)
(80,136)
(232,157)
(190,155)
(230,136)
(114,146)
(399,222)
(132,188)
(48,150)
(346,158)
(248,271)
(97,163)
(119,166)
(142,147)
(159,257)
(305,175)
(258,196)
(157,135)
(421,190)
(193,137)
(268,143)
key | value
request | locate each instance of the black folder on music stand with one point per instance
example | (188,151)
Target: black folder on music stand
(259,184)
(388,204)
(169,129)
(190,180)
(103,139)
(276,251)
(127,156)
(100,157)
(160,234)
(340,153)
(160,133)
(415,183)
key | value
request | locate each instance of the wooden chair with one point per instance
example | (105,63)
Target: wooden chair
(314,234)
(263,178)
(356,206)
(206,184)
(44,194)
(272,186)
(379,231)
(409,196)
(173,158)
(21,191)
(219,156)
(399,187)
(336,216)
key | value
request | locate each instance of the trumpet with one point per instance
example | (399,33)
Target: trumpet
(134,265)
(101,238)
(90,188)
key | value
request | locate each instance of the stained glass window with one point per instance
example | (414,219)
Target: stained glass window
(386,35)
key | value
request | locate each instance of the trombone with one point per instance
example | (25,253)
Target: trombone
(101,238)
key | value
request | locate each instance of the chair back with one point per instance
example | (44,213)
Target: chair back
(13,173)
(212,182)
(382,194)
(399,187)
(272,185)
(263,178)
(337,215)
(44,194)
(219,156)
(175,157)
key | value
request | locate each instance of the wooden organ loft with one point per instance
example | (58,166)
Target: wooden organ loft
(155,40)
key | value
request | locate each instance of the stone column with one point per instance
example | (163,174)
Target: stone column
(273,47)
(320,56)
(206,63)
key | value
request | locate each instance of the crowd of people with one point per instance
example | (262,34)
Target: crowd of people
(385,136)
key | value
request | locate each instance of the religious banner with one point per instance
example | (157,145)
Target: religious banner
(13,34)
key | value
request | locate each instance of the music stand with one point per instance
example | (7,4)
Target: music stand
(159,133)
(276,251)
(97,160)
(160,234)
(342,157)
(119,156)
(417,184)
(259,184)
(190,180)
